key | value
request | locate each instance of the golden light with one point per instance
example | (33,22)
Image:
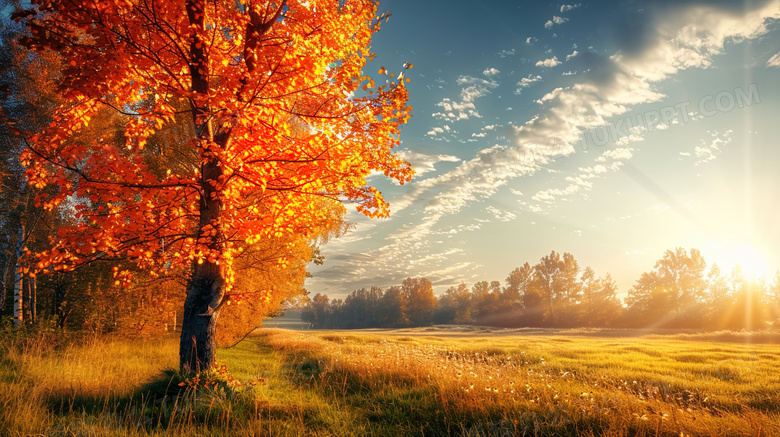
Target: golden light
(742,254)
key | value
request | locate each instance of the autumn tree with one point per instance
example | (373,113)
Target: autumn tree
(421,302)
(280,115)
(554,287)
(28,99)
(517,283)
(394,308)
(455,305)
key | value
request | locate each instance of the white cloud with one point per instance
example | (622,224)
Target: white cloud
(774,61)
(506,53)
(619,154)
(423,163)
(552,62)
(677,37)
(555,20)
(709,150)
(565,8)
(673,38)
(573,54)
(454,111)
(490,72)
(611,159)
(530,40)
(435,130)
(504,216)
(472,89)
(526,82)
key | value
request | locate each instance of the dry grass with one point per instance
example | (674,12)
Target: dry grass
(469,382)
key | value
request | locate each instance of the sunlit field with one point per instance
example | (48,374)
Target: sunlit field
(427,381)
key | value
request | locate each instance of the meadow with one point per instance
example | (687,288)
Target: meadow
(462,381)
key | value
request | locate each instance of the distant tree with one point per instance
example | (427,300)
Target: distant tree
(718,298)
(361,309)
(773,300)
(457,301)
(394,308)
(748,309)
(480,299)
(318,312)
(673,294)
(487,306)
(517,283)
(684,276)
(647,300)
(421,302)
(554,289)
(599,305)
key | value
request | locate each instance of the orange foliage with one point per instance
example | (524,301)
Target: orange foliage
(282,118)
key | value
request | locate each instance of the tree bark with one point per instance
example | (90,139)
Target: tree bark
(197,348)
(5,276)
(33,301)
(18,289)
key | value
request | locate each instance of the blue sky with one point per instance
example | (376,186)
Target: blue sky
(610,130)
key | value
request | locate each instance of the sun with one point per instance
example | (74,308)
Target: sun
(744,255)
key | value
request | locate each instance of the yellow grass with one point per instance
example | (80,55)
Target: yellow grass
(428,381)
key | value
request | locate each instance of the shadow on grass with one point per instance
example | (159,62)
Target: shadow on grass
(149,404)
(384,404)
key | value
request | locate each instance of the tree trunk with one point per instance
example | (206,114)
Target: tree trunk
(33,302)
(3,285)
(18,299)
(18,290)
(26,292)
(198,347)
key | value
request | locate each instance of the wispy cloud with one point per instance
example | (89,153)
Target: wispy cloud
(423,163)
(472,89)
(504,216)
(674,37)
(526,82)
(669,38)
(610,87)
(774,61)
(565,8)
(709,149)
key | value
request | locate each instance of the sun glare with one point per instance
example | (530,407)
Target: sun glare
(744,255)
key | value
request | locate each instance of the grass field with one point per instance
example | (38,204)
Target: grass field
(429,381)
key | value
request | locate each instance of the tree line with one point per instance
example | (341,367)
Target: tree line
(680,291)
